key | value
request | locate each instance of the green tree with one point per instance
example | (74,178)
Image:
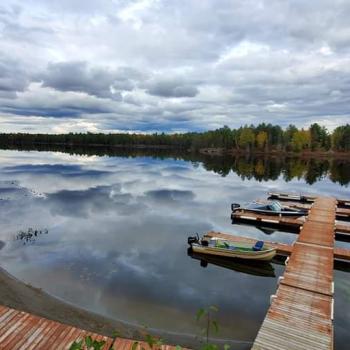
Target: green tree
(341,138)
(319,137)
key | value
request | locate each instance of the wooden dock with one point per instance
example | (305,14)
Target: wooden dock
(304,198)
(23,331)
(342,231)
(282,248)
(301,313)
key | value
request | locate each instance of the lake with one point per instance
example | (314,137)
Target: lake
(111,233)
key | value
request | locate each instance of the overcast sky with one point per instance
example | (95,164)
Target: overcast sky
(172,65)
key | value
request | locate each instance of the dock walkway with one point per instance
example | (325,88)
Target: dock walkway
(294,224)
(301,313)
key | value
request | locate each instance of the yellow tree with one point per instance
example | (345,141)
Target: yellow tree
(301,140)
(246,138)
(261,139)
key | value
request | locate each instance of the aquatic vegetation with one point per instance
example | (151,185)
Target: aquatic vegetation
(30,235)
(87,344)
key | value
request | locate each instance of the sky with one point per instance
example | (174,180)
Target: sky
(172,65)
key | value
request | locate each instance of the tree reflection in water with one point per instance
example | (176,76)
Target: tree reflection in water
(250,166)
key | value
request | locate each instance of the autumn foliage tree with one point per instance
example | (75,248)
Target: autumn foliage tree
(301,140)
(261,140)
(246,138)
(265,137)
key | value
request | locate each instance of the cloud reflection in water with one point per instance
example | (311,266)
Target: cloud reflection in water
(117,238)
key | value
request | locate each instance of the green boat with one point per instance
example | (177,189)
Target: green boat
(231,249)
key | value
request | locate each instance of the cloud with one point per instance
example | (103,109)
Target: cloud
(13,78)
(170,196)
(96,81)
(172,88)
(172,65)
(84,203)
(61,169)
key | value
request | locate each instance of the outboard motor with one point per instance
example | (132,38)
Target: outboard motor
(235,206)
(303,199)
(193,239)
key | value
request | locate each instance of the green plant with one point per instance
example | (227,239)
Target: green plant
(87,344)
(206,315)
(154,343)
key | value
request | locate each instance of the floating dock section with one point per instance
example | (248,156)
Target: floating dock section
(342,230)
(283,249)
(301,313)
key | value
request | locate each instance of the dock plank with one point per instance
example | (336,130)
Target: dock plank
(300,316)
(20,330)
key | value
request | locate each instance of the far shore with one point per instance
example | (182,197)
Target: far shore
(211,151)
(276,153)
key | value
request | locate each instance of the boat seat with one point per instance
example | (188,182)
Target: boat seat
(258,246)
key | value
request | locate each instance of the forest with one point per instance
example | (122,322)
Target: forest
(261,138)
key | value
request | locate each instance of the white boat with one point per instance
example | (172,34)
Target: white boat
(269,208)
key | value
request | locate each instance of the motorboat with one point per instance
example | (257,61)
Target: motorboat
(269,208)
(231,248)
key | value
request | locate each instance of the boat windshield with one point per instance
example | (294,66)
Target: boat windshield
(275,206)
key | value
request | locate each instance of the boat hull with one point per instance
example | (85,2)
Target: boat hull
(272,213)
(264,255)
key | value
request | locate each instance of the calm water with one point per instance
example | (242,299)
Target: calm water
(117,229)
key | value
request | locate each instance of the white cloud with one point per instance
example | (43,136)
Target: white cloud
(172,65)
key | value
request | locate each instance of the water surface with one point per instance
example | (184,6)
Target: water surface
(117,229)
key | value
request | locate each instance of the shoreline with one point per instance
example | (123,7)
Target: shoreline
(208,151)
(24,297)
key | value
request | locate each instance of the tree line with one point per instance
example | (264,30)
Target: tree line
(262,138)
